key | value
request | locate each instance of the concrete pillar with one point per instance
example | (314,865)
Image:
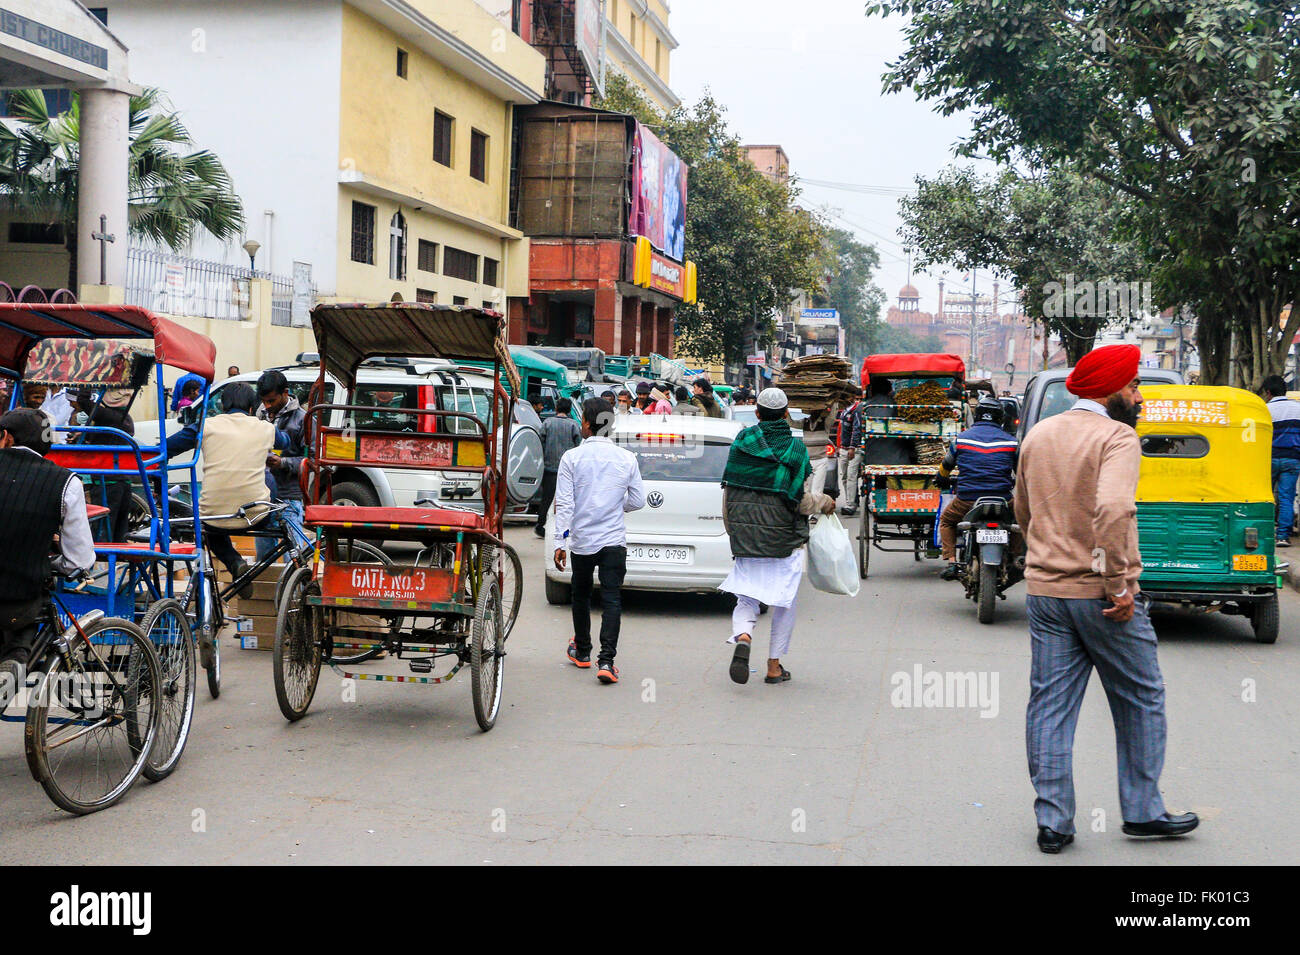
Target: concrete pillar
(665,318)
(102,184)
(630,311)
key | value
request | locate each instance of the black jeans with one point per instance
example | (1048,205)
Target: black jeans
(548,495)
(219,543)
(611,563)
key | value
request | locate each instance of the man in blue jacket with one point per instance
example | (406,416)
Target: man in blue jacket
(1285,413)
(985,458)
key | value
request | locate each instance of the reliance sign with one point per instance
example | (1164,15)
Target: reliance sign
(660,273)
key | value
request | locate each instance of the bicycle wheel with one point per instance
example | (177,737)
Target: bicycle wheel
(95,716)
(359,552)
(299,634)
(214,619)
(512,587)
(167,627)
(486,655)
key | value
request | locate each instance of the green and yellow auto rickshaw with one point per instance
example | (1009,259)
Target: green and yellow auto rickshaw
(1205,502)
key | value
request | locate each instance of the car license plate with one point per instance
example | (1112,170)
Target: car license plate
(659,554)
(986,536)
(1249,562)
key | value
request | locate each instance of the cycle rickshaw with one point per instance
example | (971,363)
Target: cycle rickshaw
(446,606)
(98,626)
(902,501)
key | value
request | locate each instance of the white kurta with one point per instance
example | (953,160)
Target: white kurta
(770,580)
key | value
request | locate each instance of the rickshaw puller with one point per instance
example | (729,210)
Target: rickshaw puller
(39,499)
(235,448)
(985,459)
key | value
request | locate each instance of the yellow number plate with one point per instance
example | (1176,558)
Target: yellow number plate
(1249,562)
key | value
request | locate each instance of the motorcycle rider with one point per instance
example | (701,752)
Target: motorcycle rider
(985,458)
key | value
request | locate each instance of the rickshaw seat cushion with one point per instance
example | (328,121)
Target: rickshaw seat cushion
(326,515)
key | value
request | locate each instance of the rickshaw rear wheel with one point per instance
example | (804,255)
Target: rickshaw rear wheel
(512,586)
(358,552)
(169,629)
(296,660)
(864,543)
(1264,619)
(486,656)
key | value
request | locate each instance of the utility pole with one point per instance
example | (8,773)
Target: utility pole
(974,363)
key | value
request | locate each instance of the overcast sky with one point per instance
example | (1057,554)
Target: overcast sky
(807,76)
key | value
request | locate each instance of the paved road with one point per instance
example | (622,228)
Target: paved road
(677,764)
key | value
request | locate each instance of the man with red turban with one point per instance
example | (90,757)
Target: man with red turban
(1076,502)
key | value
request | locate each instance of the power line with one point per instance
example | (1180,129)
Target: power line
(893,191)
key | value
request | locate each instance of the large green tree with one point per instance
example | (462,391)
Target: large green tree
(173,194)
(752,246)
(1191,107)
(1051,233)
(849,285)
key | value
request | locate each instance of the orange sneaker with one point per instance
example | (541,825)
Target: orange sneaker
(607,673)
(580,660)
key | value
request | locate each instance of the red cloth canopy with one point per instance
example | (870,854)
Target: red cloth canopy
(918,365)
(23,324)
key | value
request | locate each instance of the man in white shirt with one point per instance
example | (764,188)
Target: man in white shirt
(597,484)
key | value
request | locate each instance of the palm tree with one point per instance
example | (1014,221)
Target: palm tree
(171,195)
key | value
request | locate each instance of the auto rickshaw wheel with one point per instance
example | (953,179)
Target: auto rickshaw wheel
(1264,618)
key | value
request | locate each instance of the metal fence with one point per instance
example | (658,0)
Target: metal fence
(180,285)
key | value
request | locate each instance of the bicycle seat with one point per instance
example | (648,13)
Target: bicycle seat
(260,510)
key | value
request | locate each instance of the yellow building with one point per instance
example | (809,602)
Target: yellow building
(368,139)
(638,44)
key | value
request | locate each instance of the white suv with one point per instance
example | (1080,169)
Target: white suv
(677,541)
(390,385)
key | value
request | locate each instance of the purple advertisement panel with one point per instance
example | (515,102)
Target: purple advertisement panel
(658,195)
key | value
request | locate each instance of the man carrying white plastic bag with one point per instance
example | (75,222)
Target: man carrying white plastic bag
(765,503)
(832,566)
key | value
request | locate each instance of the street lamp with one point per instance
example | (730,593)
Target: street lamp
(251,247)
(1010,369)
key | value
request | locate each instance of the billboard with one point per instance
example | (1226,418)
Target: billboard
(589,19)
(658,195)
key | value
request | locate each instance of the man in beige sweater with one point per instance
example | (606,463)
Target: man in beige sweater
(1076,501)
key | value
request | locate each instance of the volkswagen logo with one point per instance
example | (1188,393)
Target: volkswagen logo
(654,498)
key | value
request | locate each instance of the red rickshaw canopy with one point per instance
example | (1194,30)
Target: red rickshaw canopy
(23,324)
(917,365)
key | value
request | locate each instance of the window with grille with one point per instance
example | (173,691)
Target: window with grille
(460,264)
(363,233)
(459,300)
(478,146)
(442,129)
(427,256)
(427,296)
(490,272)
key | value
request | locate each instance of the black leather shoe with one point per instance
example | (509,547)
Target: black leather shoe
(1051,841)
(1166,825)
(951,572)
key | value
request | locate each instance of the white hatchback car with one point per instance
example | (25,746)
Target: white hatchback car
(677,542)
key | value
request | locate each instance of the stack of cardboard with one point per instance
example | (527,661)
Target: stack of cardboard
(254,615)
(814,383)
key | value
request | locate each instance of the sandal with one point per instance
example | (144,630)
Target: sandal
(740,663)
(783,678)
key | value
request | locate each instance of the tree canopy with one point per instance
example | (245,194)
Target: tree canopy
(1190,107)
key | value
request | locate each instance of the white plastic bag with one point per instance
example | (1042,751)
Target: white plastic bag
(832,567)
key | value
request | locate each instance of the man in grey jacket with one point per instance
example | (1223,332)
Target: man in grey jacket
(281,408)
(560,433)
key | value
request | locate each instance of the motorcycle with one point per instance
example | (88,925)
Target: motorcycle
(987,567)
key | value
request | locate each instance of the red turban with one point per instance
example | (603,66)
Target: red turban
(1104,371)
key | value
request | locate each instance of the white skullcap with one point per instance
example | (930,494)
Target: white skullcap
(773,398)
